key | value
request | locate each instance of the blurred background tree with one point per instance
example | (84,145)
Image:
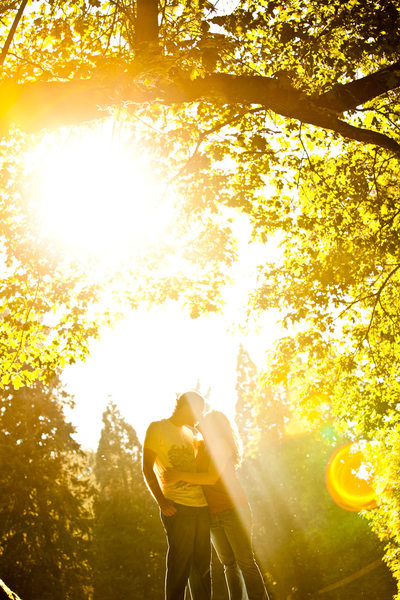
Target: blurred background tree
(305,542)
(128,541)
(45,518)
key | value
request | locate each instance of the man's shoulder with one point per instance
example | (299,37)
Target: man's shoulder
(158,434)
(157,424)
(156,427)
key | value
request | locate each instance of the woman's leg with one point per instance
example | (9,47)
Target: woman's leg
(233,578)
(237,526)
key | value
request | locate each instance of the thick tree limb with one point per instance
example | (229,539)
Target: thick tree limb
(47,104)
(288,102)
(350,95)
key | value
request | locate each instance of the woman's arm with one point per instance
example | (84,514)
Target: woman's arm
(207,478)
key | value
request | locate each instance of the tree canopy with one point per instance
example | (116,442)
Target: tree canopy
(312,64)
(238,105)
(127,539)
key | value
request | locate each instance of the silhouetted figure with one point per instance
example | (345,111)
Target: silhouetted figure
(231,520)
(169,445)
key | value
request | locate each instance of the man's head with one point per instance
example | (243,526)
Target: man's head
(190,407)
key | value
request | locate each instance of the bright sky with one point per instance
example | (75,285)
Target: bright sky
(143,362)
(95,193)
(150,356)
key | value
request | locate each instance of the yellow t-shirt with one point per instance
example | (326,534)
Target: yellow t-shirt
(174,449)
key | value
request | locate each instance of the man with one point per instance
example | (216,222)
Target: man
(184,512)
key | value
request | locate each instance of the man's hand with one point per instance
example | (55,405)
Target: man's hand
(167,507)
(170,476)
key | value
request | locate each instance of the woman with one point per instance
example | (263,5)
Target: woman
(231,522)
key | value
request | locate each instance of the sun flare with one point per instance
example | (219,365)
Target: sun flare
(97,194)
(350,478)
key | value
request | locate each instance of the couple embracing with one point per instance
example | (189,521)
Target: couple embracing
(197,489)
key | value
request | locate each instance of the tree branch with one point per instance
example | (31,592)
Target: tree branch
(12,31)
(9,593)
(377,298)
(47,104)
(286,101)
(350,95)
(203,135)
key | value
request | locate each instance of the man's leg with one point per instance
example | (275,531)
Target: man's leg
(180,530)
(200,574)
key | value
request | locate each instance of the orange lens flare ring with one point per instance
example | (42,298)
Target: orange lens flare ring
(350,479)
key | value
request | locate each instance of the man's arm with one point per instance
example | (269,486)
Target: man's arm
(166,506)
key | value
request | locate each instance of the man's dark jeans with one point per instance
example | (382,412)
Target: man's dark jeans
(189,553)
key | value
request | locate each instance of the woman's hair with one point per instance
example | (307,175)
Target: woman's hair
(215,425)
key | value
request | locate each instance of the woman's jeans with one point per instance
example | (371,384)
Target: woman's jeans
(231,538)
(189,553)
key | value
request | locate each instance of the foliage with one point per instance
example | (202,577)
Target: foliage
(215,151)
(45,518)
(305,543)
(128,542)
(338,287)
(44,300)
(53,302)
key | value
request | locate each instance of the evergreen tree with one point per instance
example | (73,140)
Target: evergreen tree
(128,553)
(44,516)
(260,414)
(245,406)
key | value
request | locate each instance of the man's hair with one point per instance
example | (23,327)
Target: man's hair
(192,399)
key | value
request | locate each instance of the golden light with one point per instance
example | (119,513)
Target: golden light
(350,477)
(97,194)
(317,414)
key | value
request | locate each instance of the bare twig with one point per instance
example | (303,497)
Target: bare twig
(380,112)
(377,297)
(208,132)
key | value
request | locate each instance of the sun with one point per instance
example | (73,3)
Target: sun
(97,194)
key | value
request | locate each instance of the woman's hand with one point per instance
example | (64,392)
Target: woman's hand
(170,476)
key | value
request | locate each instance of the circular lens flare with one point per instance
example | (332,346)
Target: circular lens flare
(350,478)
